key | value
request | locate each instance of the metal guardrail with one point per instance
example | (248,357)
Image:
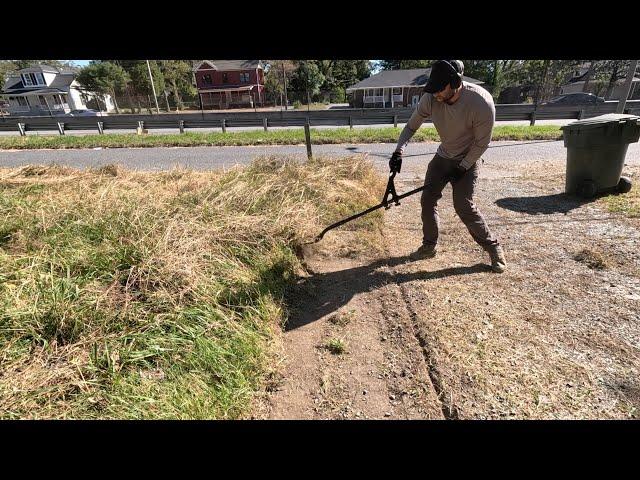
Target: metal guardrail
(339,117)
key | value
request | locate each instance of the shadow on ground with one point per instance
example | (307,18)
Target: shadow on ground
(324,293)
(542,205)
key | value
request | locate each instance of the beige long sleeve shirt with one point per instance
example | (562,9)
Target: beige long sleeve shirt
(465,127)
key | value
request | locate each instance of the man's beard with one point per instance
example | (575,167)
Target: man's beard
(447,100)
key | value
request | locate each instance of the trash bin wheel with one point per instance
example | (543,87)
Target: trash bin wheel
(587,189)
(624,185)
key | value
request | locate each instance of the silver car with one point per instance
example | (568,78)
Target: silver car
(85,113)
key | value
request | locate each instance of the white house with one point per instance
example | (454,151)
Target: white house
(575,84)
(616,93)
(392,88)
(45,90)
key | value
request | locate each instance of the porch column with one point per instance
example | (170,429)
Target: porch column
(384,104)
(391,97)
(47,104)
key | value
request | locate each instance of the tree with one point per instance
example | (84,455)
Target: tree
(593,65)
(103,78)
(403,64)
(345,73)
(483,70)
(306,80)
(612,71)
(140,83)
(6,69)
(177,73)
(507,73)
(338,76)
(59,64)
(544,77)
(275,73)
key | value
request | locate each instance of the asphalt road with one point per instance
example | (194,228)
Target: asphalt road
(207,158)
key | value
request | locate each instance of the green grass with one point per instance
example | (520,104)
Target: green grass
(336,346)
(155,295)
(312,106)
(260,137)
(627,204)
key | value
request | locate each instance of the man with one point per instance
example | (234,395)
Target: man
(463,114)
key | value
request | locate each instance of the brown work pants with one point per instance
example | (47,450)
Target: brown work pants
(439,173)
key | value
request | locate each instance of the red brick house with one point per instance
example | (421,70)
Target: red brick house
(230,83)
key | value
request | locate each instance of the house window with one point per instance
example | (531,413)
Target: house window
(225,78)
(21,101)
(244,78)
(206,78)
(64,99)
(43,101)
(397,90)
(30,79)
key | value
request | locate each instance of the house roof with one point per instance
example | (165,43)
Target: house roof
(13,82)
(416,77)
(62,80)
(231,64)
(579,77)
(59,85)
(39,68)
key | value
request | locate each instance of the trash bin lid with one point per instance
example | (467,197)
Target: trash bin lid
(600,121)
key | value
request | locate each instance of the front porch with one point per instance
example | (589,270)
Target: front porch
(223,98)
(33,103)
(385,97)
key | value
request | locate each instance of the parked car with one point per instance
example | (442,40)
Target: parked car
(85,113)
(578,98)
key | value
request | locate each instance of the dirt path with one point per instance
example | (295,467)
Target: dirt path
(553,337)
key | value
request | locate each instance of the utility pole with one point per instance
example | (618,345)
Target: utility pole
(284,76)
(153,88)
(627,86)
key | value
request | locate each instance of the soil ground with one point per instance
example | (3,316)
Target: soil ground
(557,336)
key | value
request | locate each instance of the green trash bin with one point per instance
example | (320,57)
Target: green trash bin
(596,149)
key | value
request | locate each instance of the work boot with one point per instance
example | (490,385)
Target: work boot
(425,251)
(498,262)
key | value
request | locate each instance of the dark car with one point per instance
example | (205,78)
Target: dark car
(575,99)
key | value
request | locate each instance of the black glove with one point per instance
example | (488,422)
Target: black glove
(458,173)
(395,164)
